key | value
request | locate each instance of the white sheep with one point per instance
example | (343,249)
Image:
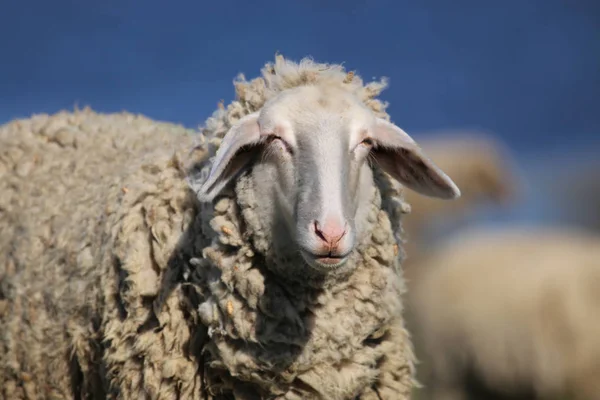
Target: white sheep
(284,281)
(481,165)
(514,309)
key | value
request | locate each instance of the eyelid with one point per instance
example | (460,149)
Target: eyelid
(365,143)
(285,143)
(368,142)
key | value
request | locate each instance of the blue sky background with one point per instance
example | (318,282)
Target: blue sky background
(528,71)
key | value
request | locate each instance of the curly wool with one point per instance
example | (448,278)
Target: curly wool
(91,209)
(287,337)
(276,323)
(119,284)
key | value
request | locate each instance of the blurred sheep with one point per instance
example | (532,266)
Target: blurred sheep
(480,165)
(576,193)
(516,309)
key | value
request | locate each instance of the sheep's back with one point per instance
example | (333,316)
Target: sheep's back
(71,184)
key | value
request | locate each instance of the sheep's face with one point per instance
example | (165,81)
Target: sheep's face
(310,150)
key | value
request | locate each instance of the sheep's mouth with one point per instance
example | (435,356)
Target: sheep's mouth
(326,261)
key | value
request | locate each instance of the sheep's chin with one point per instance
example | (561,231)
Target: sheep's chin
(323,264)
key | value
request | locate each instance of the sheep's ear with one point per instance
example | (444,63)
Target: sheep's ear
(236,151)
(401,157)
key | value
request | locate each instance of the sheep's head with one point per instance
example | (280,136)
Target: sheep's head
(310,150)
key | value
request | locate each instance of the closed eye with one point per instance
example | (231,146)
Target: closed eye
(365,143)
(364,147)
(285,144)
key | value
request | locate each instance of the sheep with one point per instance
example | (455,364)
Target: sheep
(575,193)
(480,164)
(143,261)
(511,311)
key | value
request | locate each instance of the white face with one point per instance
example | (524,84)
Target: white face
(310,149)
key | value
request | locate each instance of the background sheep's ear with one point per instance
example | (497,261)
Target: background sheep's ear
(401,157)
(235,152)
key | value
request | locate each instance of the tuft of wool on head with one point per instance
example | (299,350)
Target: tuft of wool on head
(285,74)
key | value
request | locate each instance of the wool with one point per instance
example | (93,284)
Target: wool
(89,216)
(251,310)
(117,283)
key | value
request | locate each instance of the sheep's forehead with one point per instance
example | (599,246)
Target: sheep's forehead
(312,113)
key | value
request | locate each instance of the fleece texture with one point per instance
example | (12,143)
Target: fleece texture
(117,283)
(91,209)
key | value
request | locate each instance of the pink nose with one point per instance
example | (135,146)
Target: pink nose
(330,232)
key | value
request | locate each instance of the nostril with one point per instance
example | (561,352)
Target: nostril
(320,233)
(330,233)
